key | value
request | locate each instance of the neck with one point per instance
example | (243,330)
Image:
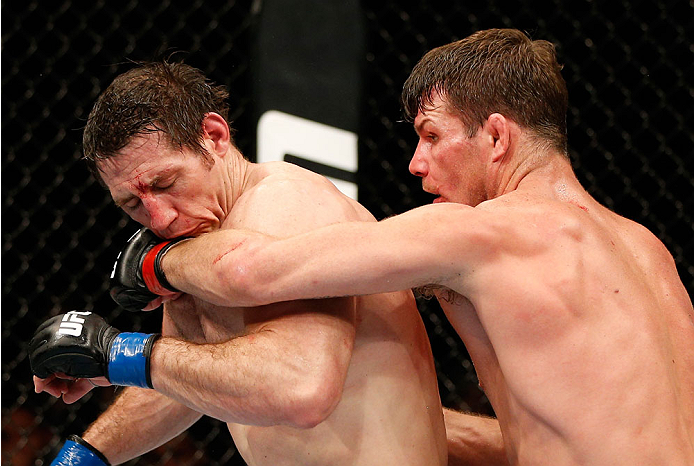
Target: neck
(238,175)
(527,164)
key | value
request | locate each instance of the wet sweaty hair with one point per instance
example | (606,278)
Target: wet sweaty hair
(494,71)
(170,98)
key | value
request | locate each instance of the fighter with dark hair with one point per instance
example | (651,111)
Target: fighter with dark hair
(577,322)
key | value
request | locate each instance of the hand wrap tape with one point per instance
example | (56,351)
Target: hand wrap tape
(76,451)
(129,359)
(152,274)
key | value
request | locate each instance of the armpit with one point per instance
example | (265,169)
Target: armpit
(440,292)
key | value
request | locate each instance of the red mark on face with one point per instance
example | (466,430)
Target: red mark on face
(139,185)
(218,258)
(582,207)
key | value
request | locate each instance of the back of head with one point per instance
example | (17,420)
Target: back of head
(494,71)
(171,98)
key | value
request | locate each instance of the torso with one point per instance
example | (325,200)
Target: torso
(581,333)
(389,413)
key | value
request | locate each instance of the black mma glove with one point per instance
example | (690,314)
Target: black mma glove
(81,344)
(137,277)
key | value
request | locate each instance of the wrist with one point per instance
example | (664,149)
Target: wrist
(129,359)
(76,450)
(152,271)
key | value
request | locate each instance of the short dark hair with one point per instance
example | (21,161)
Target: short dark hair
(494,70)
(171,98)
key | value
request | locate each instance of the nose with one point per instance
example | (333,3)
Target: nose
(418,166)
(161,214)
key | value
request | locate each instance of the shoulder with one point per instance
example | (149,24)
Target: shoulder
(287,200)
(517,227)
(535,216)
(646,248)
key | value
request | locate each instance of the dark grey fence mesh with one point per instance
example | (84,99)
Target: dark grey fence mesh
(629,67)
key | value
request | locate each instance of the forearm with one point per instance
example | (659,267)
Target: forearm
(473,440)
(266,378)
(138,421)
(218,380)
(204,267)
(239,268)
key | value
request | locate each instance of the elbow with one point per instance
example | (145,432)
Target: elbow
(311,405)
(240,281)
(300,408)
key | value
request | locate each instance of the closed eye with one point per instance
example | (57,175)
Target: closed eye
(131,204)
(162,185)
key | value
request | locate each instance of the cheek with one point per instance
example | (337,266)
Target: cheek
(450,161)
(459,169)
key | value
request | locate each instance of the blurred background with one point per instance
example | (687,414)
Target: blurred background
(629,66)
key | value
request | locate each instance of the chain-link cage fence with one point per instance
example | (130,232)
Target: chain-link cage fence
(629,68)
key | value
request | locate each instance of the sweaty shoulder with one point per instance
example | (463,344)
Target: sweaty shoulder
(545,223)
(285,200)
(525,223)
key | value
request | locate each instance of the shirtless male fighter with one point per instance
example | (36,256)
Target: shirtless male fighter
(577,322)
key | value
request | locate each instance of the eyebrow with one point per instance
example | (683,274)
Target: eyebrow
(418,127)
(121,200)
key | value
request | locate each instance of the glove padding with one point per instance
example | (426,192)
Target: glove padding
(77,344)
(137,277)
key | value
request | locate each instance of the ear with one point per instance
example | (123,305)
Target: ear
(499,129)
(216,136)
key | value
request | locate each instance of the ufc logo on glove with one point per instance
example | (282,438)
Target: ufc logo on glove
(81,344)
(72,323)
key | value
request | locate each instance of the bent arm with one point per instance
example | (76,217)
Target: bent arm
(289,370)
(241,268)
(473,439)
(137,422)
(290,365)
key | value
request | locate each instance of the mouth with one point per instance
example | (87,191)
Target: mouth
(436,195)
(433,191)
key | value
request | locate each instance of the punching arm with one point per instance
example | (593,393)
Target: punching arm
(243,268)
